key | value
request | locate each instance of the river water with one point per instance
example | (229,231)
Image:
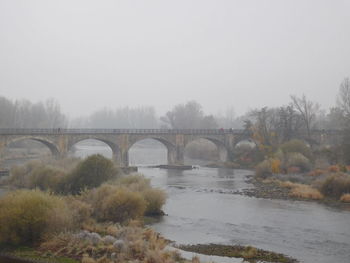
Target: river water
(201,208)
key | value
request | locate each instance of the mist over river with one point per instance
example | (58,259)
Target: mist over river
(201,208)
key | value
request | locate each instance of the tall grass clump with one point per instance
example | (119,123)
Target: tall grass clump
(27,216)
(89,173)
(335,185)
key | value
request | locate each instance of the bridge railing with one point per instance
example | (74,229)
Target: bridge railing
(13,131)
(117,131)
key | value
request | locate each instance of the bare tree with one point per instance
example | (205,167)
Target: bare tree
(307,110)
(188,116)
(343,99)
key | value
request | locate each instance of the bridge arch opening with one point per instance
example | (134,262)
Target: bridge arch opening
(25,148)
(150,151)
(205,150)
(86,147)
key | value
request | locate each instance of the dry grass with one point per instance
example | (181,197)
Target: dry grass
(135,244)
(302,191)
(316,172)
(334,168)
(345,198)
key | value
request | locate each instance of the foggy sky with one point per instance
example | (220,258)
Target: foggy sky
(221,53)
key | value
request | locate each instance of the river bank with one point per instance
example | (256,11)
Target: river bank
(271,189)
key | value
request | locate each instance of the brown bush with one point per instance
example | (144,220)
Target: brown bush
(155,199)
(335,185)
(122,205)
(298,160)
(316,172)
(116,203)
(345,198)
(302,190)
(135,182)
(293,170)
(334,168)
(263,169)
(305,191)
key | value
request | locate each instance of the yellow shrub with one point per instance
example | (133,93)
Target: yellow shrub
(276,166)
(29,216)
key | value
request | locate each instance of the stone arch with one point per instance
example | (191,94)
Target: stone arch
(49,144)
(171,148)
(113,146)
(220,145)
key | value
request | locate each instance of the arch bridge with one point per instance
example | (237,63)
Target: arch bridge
(60,141)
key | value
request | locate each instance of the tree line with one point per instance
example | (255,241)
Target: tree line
(270,123)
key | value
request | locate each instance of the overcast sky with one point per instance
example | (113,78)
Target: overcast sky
(221,53)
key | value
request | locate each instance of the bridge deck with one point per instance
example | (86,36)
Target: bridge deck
(119,131)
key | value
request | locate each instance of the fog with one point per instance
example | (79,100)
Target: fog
(242,54)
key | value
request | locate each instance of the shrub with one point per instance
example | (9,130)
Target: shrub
(263,169)
(89,173)
(334,168)
(345,198)
(135,182)
(155,199)
(27,216)
(45,178)
(122,205)
(296,146)
(81,210)
(275,166)
(35,174)
(20,175)
(305,191)
(335,185)
(298,160)
(293,170)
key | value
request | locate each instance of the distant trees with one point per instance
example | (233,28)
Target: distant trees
(137,118)
(343,99)
(343,103)
(24,114)
(188,116)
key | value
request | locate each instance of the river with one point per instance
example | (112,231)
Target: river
(201,208)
